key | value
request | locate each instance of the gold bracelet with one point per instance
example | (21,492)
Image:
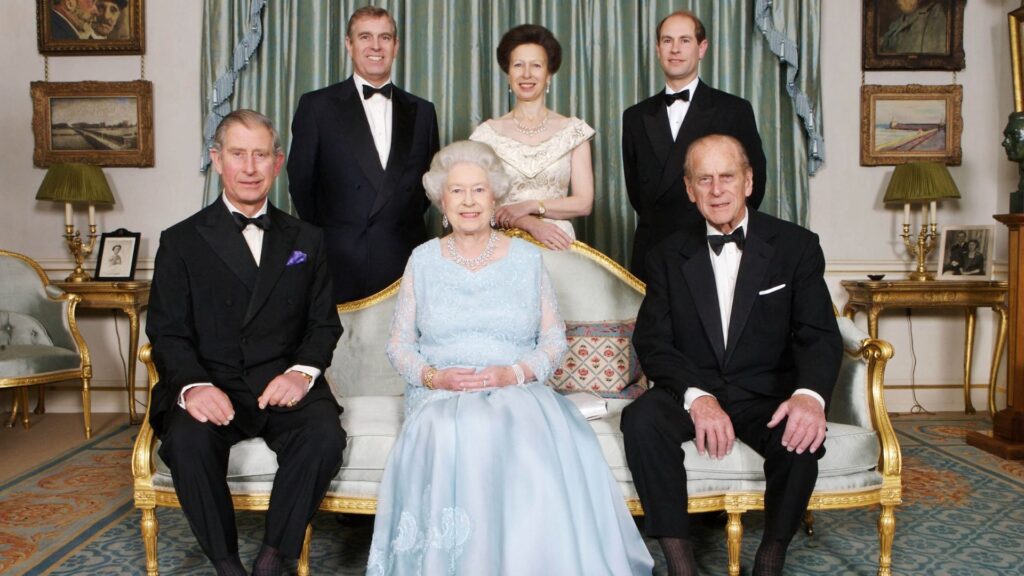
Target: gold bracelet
(428,377)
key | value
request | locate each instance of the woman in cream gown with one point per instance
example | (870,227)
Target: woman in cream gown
(545,154)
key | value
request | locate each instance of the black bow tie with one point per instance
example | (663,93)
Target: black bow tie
(262,221)
(716,241)
(684,96)
(369,91)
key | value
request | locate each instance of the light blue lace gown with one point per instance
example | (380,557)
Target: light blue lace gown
(506,481)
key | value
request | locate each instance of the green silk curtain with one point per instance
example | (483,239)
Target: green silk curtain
(608,64)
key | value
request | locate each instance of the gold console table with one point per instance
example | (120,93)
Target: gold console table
(129,297)
(874,296)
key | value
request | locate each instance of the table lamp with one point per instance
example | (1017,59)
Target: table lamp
(82,184)
(925,183)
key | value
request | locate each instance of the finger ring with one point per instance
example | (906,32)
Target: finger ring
(485,381)
(293,402)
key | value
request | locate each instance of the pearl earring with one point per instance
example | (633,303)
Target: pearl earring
(494,223)
(548,89)
(444,221)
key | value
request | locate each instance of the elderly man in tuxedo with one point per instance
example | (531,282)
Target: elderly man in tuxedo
(359,151)
(243,325)
(738,335)
(657,131)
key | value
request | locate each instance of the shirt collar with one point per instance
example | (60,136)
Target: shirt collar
(692,87)
(360,82)
(231,207)
(712,231)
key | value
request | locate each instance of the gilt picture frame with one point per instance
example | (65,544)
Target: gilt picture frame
(94,28)
(913,123)
(100,123)
(913,35)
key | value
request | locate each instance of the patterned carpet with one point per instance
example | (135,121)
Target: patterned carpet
(963,514)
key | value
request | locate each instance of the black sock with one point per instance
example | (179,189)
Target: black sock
(230,567)
(771,557)
(679,556)
(270,562)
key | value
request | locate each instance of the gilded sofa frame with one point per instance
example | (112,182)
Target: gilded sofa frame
(874,352)
(82,373)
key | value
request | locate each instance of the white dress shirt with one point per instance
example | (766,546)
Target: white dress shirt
(677,111)
(726,267)
(254,238)
(378,114)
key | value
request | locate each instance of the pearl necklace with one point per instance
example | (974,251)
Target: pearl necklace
(530,131)
(479,261)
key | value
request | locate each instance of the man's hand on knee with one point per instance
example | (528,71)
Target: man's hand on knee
(284,390)
(209,404)
(805,427)
(712,427)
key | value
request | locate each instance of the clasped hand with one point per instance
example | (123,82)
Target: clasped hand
(506,216)
(211,404)
(466,379)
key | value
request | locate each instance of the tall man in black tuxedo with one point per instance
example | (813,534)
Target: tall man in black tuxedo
(359,152)
(738,335)
(657,132)
(243,324)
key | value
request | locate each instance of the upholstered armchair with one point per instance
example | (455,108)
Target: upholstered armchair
(39,338)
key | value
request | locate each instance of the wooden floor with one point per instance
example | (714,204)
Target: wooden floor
(48,435)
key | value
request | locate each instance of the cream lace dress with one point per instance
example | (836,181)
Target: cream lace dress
(537,171)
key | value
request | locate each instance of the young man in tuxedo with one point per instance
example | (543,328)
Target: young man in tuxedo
(358,154)
(737,333)
(657,131)
(243,325)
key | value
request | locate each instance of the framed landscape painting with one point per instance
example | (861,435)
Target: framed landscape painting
(913,35)
(914,123)
(101,123)
(90,27)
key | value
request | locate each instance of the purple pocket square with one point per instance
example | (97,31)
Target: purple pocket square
(297,257)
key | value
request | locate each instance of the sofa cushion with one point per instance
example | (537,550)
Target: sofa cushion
(34,359)
(601,359)
(18,329)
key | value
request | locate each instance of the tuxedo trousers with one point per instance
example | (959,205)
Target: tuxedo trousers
(308,442)
(655,426)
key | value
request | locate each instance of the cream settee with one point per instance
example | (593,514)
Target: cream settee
(861,466)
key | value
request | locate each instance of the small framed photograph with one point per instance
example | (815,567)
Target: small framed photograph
(101,123)
(90,27)
(913,35)
(913,123)
(119,251)
(965,252)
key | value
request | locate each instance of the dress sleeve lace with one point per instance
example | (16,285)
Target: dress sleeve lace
(551,345)
(403,344)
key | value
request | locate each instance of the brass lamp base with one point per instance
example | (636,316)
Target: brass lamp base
(920,249)
(920,276)
(79,251)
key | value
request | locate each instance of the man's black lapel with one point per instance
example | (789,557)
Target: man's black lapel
(700,278)
(277,245)
(656,126)
(356,129)
(403,114)
(695,125)
(220,231)
(758,251)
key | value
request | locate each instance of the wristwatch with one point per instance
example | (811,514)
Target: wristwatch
(541,210)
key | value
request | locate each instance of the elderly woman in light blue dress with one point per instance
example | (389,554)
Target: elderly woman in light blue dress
(493,472)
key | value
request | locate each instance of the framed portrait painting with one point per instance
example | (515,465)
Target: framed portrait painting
(913,34)
(117,256)
(965,252)
(90,27)
(914,123)
(101,123)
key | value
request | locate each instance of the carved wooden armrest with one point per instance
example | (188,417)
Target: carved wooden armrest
(877,353)
(142,456)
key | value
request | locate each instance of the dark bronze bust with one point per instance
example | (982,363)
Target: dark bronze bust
(1013,143)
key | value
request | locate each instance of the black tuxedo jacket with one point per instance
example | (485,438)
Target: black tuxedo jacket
(782,331)
(372,217)
(214,316)
(653,162)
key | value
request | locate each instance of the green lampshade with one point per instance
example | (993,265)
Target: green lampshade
(75,183)
(920,182)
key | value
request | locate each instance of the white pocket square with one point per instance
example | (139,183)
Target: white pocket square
(770,290)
